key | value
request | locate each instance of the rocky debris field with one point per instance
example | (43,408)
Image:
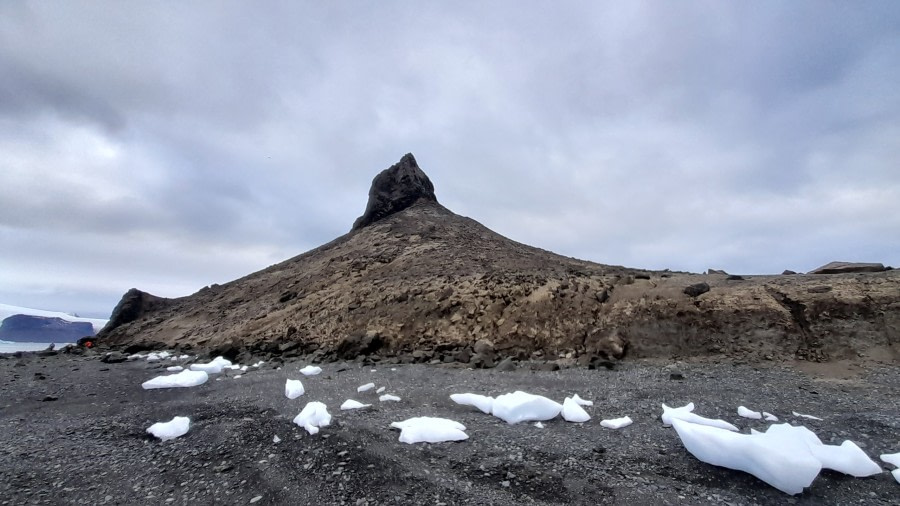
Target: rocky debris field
(73,431)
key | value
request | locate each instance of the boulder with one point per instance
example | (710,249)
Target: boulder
(394,189)
(696,289)
(847,267)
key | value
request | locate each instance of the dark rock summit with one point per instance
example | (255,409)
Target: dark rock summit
(132,306)
(847,267)
(395,189)
(41,329)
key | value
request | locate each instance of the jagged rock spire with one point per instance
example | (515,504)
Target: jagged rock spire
(394,189)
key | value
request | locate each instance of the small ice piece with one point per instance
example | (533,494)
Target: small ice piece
(891,458)
(524,407)
(539,425)
(232,367)
(183,379)
(380,389)
(213,367)
(351,404)
(293,389)
(366,387)
(243,368)
(805,416)
(581,402)
(184,357)
(769,416)
(388,397)
(482,402)
(310,370)
(784,463)
(848,458)
(176,427)
(393,368)
(573,412)
(258,364)
(276,439)
(749,413)
(175,368)
(685,413)
(236,376)
(314,415)
(426,429)
(617,423)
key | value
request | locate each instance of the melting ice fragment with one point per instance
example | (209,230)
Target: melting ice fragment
(426,429)
(749,413)
(314,415)
(366,387)
(183,379)
(848,458)
(893,458)
(175,368)
(770,417)
(293,389)
(482,402)
(310,370)
(524,407)
(805,416)
(213,367)
(617,423)
(176,427)
(351,404)
(581,402)
(572,412)
(685,413)
(380,389)
(388,397)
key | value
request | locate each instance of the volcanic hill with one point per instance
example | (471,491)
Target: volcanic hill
(412,281)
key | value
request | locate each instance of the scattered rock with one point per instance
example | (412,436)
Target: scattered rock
(696,289)
(355,346)
(506,365)
(50,398)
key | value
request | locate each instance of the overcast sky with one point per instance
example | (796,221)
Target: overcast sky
(171,145)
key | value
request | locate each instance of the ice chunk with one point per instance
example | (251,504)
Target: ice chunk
(380,389)
(891,458)
(748,413)
(616,423)
(572,412)
(237,376)
(351,404)
(786,464)
(539,425)
(482,402)
(310,370)
(176,427)
(213,367)
(276,439)
(243,368)
(685,413)
(366,387)
(848,458)
(426,429)
(258,364)
(232,367)
(157,356)
(581,402)
(183,379)
(388,397)
(770,417)
(524,407)
(175,368)
(314,415)
(293,389)
(805,416)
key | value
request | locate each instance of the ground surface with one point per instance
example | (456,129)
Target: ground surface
(89,446)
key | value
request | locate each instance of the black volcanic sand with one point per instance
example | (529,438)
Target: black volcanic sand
(89,445)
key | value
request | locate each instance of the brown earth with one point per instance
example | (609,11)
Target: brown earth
(427,285)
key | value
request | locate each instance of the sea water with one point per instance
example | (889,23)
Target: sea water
(10,347)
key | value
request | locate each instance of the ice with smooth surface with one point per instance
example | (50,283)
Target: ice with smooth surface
(573,412)
(175,368)
(786,464)
(310,370)
(388,397)
(482,402)
(351,404)
(848,458)
(685,413)
(749,413)
(366,387)
(213,367)
(581,402)
(426,429)
(801,415)
(539,425)
(183,379)
(617,423)
(314,415)
(176,427)
(293,389)
(380,389)
(769,416)
(524,407)
(891,458)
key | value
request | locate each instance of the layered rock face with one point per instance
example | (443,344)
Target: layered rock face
(413,279)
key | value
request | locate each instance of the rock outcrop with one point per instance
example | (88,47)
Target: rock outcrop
(847,268)
(415,282)
(41,329)
(132,306)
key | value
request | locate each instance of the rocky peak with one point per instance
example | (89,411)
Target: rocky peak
(394,189)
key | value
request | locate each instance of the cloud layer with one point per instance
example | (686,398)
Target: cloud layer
(171,145)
